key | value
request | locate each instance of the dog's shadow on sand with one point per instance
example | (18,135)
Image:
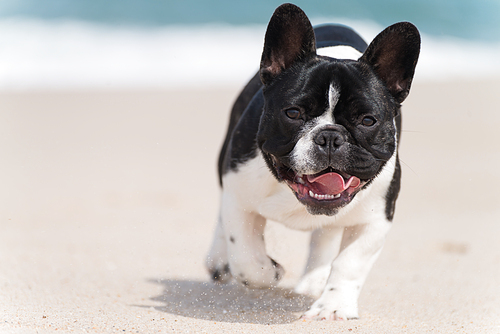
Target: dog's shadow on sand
(229,302)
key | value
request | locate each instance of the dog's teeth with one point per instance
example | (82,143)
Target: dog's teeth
(300,180)
(321,197)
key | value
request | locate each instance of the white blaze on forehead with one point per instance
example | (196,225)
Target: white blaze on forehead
(301,155)
(333,98)
(327,116)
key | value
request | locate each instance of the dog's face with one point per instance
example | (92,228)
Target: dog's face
(329,133)
(329,125)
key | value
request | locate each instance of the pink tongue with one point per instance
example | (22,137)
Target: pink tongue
(332,183)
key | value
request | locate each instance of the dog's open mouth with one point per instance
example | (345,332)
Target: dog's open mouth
(327,187)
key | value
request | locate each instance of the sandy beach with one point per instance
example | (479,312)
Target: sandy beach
(108,202)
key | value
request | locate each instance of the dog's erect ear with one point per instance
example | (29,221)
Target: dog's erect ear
(289,38)
(393,55)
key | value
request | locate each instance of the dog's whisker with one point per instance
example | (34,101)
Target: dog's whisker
(404,163)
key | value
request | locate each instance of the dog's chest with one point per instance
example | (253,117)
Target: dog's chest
(257,190)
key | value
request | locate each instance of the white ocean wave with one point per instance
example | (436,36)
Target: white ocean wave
(59,55)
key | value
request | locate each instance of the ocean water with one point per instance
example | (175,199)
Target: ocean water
(151,43)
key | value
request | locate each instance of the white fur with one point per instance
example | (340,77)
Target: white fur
(324,248)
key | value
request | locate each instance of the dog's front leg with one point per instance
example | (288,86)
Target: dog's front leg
(361,245)
(244,232)
(324,247)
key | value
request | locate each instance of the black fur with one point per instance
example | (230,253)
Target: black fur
(333,35)
(392,193)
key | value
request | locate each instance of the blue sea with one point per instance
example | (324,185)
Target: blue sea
(165,43)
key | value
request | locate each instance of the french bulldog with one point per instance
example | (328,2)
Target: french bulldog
(313,143)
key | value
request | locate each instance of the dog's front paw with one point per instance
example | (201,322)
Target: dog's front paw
(329,312)
(331,309)
(262,274)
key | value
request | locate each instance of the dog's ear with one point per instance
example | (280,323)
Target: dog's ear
(393,55)
(289,38)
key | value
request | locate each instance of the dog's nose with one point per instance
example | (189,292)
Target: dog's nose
(330,139)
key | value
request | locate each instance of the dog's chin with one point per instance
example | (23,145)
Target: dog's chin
(322,193)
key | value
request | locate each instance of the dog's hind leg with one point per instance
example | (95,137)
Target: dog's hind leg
(216,261)
(324,247)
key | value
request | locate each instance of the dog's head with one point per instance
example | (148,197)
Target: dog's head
(328,125)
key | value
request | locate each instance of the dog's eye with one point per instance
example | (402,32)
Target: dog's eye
(292,113)
(368,121)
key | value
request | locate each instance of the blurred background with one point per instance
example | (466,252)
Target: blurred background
(151,43)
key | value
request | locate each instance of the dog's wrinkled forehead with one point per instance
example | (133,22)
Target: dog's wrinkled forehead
(340,82)
(327,117)
(316,87)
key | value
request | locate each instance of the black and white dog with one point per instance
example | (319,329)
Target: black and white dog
(312,143)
